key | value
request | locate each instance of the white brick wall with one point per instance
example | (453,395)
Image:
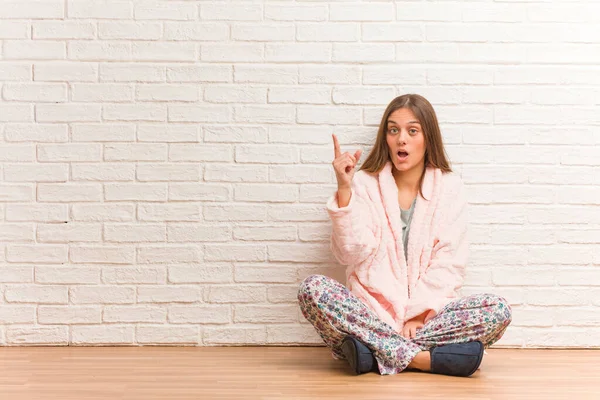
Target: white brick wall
(164,165)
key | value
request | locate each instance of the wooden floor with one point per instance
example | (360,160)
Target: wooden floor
(279,373)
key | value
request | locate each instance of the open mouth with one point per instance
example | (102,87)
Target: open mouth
(402,155)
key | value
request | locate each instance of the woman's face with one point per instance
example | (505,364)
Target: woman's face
(405,140)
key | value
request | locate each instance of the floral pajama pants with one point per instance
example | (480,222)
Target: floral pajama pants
(335,312)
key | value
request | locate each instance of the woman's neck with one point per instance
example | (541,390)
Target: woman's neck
(408,180)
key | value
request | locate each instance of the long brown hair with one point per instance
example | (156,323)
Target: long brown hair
(435,154)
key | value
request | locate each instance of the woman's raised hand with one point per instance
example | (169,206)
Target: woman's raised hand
(344,165)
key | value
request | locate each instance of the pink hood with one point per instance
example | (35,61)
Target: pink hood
(367,237)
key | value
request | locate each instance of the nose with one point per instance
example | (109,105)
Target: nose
(402,136)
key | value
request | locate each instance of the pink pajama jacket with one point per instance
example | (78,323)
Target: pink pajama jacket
(367,238)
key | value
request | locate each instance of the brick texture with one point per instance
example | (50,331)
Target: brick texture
(164,165)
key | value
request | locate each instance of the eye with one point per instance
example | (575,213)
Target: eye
(413,131)
(393,130)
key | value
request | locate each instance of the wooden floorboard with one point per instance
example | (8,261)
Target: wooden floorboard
(280,373)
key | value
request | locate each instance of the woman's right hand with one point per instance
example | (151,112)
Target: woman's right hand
(344,165)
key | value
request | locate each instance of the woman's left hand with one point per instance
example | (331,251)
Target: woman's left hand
(410,328)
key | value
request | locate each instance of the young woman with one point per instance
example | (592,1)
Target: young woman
(400,227)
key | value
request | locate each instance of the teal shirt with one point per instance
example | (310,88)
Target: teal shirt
(406,217)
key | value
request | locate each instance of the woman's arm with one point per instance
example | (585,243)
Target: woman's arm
(343,196)
(445,272)
(352,237)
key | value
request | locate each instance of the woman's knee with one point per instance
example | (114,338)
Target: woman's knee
(308,285)
(502,309)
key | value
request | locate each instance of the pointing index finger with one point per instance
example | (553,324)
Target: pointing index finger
(336,146)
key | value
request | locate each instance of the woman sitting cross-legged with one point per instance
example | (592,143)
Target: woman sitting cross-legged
(400,226)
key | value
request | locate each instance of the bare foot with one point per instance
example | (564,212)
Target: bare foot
(422,361)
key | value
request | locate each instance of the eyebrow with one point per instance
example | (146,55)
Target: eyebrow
(409,122)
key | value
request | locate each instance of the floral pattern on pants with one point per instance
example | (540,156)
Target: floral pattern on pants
(335,312)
